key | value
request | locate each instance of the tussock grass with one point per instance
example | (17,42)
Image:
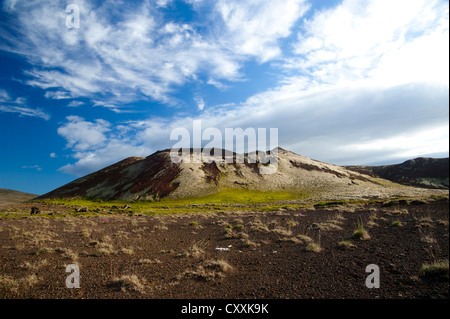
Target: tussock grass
(146,261)
(67,253)
(360,231)
(258,226)
(208,271)
(247,243)
(425,222)
(129,283)
(397,223)
(105,248)
(282,231)
(14,285)
(435,269)
(329,225)
(314,247)
(35,265)
(193,252)
(397,212)
(443,222)
(45,250)
(304,238)
(345,244)
(127,251)
(427,237)
(86,232)
(372,224)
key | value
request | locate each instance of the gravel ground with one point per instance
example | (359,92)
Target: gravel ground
(229,255)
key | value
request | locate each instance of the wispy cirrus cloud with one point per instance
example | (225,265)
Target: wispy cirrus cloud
(127,52)
(36,167)
(358,79)
(20,106)
(363,83)
(255,27)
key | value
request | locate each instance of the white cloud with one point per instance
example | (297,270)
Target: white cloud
(117,56)
(111,152)
(36,167)
(82,135)
(19,105)
(98,144)
(341,126)
(135,53)
(389,42)
(57,95)
(425,141)
(368,81)
(75,104)
(163,3)
(4,96)
(254,27)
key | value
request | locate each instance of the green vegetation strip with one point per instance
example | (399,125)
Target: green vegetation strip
(225,200)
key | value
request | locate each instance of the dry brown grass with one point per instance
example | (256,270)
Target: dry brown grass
(360,232)
(258,226)
(34,266)
(67,253)
(314,247)
(282,231)
(330,225)
(443,222)
(304,238)
(14,285)
(146,261)
(425,222)
(129,283)
(193,252)
(86,232)
(397,212)
(346,244)
(208,271)
(45,250)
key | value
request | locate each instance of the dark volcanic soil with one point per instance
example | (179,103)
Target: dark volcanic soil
(228,254)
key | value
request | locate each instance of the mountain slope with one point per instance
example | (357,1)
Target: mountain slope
(156,176)
(420,172)
(8,196)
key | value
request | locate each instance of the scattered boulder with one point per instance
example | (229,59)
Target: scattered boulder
(82,210)
(121,207)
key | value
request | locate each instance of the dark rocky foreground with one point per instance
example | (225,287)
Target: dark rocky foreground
(230,254)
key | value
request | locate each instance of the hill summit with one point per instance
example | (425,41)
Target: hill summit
(157,176)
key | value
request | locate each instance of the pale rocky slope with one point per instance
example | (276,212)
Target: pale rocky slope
(157,176)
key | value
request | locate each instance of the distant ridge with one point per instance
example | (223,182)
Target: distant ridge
(9,196)
(419,172)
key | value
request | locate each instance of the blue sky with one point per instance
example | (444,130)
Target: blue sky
(345,82)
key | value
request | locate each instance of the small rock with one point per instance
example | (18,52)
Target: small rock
(35,210)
